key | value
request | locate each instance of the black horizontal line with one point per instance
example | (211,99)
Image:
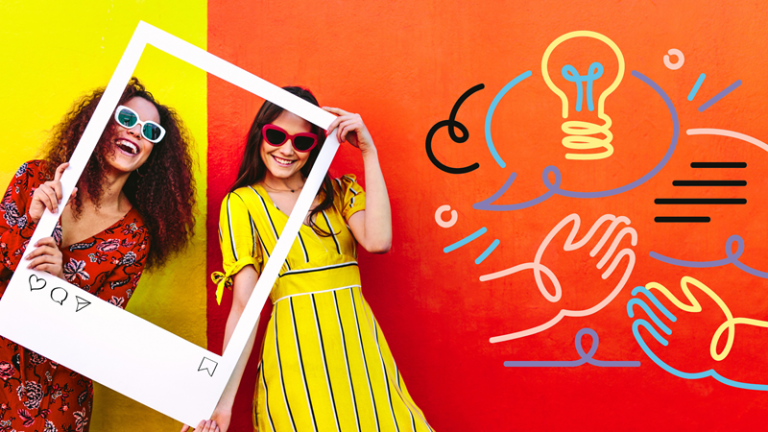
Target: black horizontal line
(681,219)
(709,183)
(700,201)
(718,164)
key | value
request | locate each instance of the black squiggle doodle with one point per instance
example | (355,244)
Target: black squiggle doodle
(452,124)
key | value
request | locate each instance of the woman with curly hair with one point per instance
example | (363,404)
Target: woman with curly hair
(132,209)
(325,364)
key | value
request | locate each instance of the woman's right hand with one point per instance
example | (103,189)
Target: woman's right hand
(219,422)
(47,195)
(204,426)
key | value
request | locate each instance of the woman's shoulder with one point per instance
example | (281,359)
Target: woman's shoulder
(37,168)
(244,193)
(30,175)
(346,182)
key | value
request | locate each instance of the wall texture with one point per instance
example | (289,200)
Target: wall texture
(405,66)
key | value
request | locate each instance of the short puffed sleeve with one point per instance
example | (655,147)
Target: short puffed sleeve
(238,240)
(351,193)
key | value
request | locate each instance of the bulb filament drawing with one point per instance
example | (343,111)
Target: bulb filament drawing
(583,136)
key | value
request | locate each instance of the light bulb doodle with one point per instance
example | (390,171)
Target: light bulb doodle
(554,186)
(580,134)
(728,327)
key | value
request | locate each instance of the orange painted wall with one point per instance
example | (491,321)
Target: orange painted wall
(403,65)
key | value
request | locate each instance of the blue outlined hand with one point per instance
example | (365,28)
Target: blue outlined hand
(694,307)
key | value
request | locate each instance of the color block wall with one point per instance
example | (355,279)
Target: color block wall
(405,67)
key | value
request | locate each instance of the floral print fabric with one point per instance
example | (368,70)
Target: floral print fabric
(37,394)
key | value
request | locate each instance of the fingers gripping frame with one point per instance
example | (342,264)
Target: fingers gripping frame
(147,363)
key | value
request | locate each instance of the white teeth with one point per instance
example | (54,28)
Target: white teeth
(283,161)
(127,145)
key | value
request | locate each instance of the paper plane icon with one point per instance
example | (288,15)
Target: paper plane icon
(81,303)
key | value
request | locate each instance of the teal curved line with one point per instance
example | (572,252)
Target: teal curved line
(644,306)
(688,375)
(492,108)
(655,301)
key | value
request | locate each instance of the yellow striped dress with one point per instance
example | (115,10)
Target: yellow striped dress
(325,365)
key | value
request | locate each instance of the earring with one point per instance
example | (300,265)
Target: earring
(138,171)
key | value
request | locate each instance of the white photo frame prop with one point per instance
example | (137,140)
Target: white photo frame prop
(147,363)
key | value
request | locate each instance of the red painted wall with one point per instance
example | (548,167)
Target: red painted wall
(403,66)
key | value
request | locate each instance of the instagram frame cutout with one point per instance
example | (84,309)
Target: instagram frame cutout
(147,363)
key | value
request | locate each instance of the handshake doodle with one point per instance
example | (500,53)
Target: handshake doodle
(571,245)
(729,327)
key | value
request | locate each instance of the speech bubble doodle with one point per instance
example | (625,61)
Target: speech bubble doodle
(36,283)
(58,297)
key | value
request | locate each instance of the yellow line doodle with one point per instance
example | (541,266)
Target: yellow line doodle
(730,323)
(578,131)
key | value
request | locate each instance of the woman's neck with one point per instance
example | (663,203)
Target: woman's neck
(112,199)
(291,184)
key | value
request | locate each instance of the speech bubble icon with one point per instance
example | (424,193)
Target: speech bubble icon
(61,297)
(36,283)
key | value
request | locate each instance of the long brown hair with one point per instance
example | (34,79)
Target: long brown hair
(162,190)
(253,169)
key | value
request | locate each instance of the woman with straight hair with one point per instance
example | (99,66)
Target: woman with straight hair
(325,364)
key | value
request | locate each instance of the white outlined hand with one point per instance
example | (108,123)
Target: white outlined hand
(571,245)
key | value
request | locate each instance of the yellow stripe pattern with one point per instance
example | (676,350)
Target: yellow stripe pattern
(325,364)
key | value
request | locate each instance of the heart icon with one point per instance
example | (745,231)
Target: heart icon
(36,283)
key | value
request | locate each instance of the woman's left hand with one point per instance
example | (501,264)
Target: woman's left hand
(350,127)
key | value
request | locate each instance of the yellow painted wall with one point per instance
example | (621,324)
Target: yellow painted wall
(52,52)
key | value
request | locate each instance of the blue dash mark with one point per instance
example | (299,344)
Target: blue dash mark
(696,87)
(465,240)
(487,252)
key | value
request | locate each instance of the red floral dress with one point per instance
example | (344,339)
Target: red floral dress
(38,394)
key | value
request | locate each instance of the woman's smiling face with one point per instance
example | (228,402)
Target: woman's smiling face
(285,162)
(131,148)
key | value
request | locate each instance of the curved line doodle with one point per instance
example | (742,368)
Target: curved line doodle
(585,357)
(554,187)
(571,245)
(731,258)
(439,216)
(451,123)
(492,109)
(729,325)
(728,133)
(680,59)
